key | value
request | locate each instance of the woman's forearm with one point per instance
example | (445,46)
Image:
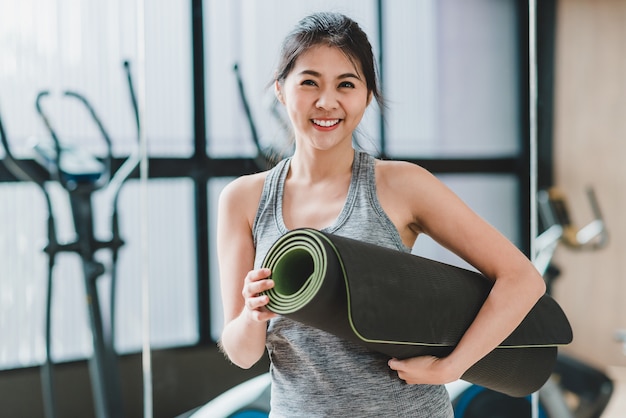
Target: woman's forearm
(506,306)
(243,340)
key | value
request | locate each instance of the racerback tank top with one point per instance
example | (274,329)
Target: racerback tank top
(315,374)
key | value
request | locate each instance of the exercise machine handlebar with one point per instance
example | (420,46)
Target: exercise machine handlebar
(593,235)
(71,167)
(15,166)
(554,214)
(266,156)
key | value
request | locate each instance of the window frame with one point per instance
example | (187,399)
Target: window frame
(201,168)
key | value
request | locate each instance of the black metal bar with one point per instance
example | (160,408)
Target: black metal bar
(523,169)
(200,176)
(205,168)
(104,371)
(246,107)
(133,96)
(232,167)
(546,27)
(103,363)
(381,67)
(504,165)
(47,369)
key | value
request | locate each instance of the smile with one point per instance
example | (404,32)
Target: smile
(326,123)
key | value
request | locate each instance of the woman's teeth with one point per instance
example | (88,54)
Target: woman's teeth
(326,123)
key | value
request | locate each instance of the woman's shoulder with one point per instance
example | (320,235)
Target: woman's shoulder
(401,174)
(245,187)
(409,185)
(253,183)
(239,199)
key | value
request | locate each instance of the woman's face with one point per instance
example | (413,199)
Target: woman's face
(325,96)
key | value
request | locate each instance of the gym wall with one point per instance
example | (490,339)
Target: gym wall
(589,150)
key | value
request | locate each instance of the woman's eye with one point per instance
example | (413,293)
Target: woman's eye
(308,83)
(347,84)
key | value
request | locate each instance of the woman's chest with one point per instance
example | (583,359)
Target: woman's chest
(315,207)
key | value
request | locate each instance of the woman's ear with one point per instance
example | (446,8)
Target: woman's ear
(369,98)
(278,92)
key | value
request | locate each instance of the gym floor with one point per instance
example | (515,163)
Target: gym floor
(617,405)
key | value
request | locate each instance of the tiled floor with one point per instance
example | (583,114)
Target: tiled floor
(617,405)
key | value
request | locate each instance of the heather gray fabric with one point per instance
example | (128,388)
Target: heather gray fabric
(315,374)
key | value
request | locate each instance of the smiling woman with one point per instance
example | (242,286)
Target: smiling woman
(325,92)
(326,79)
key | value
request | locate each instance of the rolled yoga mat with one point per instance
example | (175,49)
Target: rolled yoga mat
(403,305)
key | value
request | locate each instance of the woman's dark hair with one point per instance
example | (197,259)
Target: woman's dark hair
(332,29)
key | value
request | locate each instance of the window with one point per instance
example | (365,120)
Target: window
(452,73)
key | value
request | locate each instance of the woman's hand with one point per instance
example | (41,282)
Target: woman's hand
(425,370)
(255,283)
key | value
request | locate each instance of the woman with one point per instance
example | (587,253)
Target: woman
(326,79)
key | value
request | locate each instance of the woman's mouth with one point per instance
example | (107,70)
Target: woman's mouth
(325,123)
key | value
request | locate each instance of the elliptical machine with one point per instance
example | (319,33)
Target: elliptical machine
(81,174)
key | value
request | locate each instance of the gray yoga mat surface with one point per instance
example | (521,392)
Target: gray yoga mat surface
(403,305)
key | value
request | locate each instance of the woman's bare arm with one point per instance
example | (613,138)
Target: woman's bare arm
(243,336)
(439,213)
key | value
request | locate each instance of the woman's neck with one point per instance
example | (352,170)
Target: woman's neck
(320,165)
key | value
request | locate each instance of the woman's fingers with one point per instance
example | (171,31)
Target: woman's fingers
(424,369)
(260,274)
(257,302)
(255,283)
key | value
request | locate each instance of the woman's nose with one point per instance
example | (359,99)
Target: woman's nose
(327,100)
